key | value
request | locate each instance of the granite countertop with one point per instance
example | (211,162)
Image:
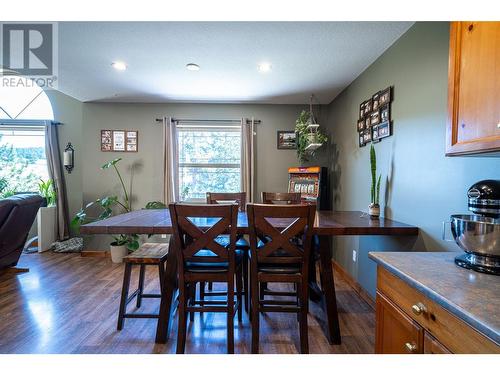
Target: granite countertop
(472,296)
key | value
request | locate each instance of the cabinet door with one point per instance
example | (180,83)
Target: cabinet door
(395,332)
(473,88)
(433,346)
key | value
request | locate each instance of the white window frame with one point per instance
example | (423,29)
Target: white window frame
(211,128)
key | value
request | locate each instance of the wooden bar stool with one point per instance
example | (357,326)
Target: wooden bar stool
(282,259)
(150,254)
(201,258)
(241,243)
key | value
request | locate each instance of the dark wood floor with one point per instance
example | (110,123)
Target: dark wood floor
(68,304)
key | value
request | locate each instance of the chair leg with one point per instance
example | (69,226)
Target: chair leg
(192,297)
(262,289)
(210,285)
(255,312)
(304,336)
(230,316)
(141,285)
(246,286)
(181,331)
(123,300)
(202,295)
(239,289)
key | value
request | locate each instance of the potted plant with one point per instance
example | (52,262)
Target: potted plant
(46,217)
(123,243)
(374,207)
(309,137)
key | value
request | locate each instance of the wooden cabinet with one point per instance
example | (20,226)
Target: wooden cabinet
(473,88)
(409,322)
(433,346)
(396,332)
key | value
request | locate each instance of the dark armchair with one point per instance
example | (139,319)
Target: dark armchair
(17,214)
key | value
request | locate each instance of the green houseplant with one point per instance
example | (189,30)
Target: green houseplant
(47,215)
(122,243)
(374,207)
(305,137)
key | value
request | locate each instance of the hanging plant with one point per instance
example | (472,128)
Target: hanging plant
(306,137)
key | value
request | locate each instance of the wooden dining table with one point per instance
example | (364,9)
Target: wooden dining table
(327,224)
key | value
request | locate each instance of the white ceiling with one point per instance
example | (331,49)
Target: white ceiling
(306,57)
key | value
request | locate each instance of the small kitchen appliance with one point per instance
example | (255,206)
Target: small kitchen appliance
(479,234)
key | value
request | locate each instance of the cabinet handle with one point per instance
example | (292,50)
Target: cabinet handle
(419,308)
(498,125)
(411,347)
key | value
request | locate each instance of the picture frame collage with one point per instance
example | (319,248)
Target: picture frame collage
(374,121)
(119,140)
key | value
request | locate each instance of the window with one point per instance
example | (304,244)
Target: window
(209,160)
(23,108)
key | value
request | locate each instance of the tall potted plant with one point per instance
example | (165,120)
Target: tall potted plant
(374,207)
(123,243)
(46,217)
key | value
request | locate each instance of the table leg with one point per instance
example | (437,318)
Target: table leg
(330,319)
(168,296)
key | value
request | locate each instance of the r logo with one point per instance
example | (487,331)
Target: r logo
(28,48)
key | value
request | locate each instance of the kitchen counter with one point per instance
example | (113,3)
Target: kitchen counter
(471,296)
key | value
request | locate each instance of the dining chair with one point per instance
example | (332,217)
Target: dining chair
(277,198)
(202,258)
(280,198)
(241,244)
(280,260)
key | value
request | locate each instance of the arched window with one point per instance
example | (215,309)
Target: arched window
(24,109)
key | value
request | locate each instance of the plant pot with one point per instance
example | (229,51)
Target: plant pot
(46,227)
(118,253)
(374,210)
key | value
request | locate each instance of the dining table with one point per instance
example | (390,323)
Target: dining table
(327,225)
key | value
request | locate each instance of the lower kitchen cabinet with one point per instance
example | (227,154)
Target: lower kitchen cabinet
(409,322)
(396,332)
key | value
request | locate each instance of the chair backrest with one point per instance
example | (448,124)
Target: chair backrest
(280,198)
(224,198)
(196,228)
(288,230)
(17,214)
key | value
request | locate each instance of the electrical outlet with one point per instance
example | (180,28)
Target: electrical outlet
(163,236)
(354,255)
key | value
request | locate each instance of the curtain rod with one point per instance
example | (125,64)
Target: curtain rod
(218,121)
(27,122)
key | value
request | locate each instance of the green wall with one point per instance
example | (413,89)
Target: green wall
(420,186)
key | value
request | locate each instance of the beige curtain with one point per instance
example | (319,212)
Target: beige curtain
(247,158)
(56,173)
(170,161)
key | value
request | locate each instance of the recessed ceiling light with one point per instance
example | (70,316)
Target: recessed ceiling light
(264,67)
(193,67)
(119,65)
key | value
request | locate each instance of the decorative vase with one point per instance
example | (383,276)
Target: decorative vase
(374,210)
(118,253)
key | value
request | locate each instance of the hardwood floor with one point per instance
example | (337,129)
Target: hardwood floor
(69,304)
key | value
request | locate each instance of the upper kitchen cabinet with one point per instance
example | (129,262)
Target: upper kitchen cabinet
(473,88)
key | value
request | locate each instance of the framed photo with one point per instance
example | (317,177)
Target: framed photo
(367,122)
(361,139)
(375,137)
(375,101)
(374,118)
(367,136)
(384,130)
(118,140)
(287,140)
(362,110)
(385,113)
(368,106)
(385,96)
(361,125)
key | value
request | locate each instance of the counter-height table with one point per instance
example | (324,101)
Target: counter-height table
(327,224)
